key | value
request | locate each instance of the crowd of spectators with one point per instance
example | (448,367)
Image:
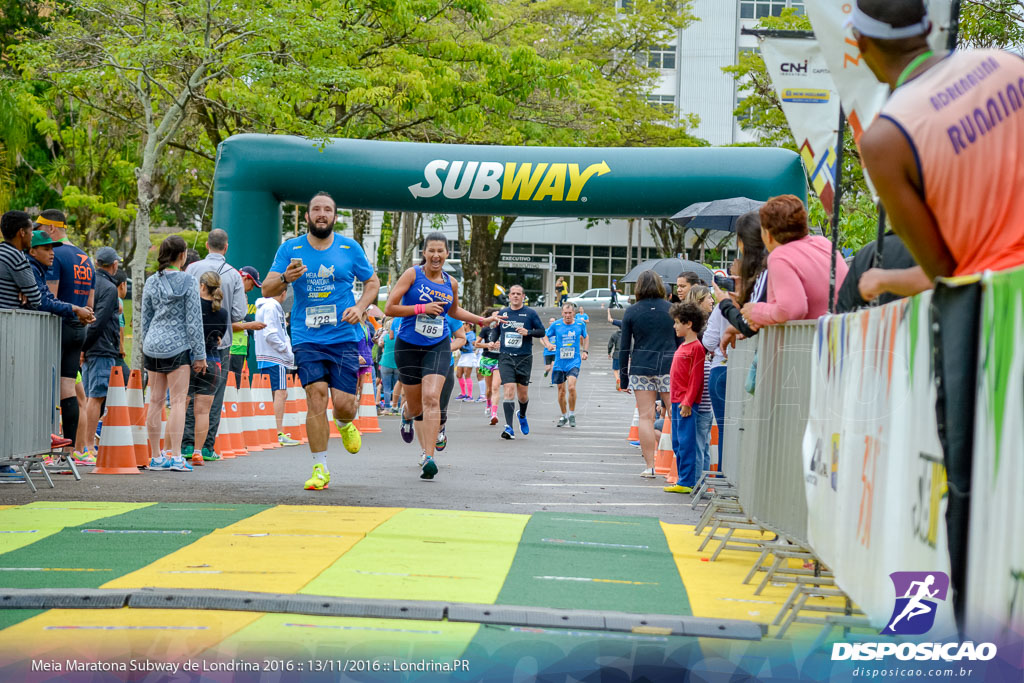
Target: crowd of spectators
(673,346)
(196,327)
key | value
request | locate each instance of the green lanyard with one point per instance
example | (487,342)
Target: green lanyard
(918,60)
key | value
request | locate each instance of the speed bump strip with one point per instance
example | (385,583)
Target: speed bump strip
(510,615)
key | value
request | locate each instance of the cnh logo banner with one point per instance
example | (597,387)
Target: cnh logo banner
(917,596)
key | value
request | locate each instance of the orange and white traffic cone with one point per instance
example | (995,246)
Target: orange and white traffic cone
(300,402)
(714,442)
(236,445)
(250,426)
(222,444)
(291,425)
(330,417)
(634,429)
(265,409)
(665,457)
(366,413)
(117,442)
(137,413)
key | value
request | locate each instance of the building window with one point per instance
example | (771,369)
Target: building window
(661,57)
(626,6)
(522,248)
(756,9)
(666,103)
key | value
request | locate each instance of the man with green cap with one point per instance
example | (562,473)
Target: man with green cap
(41,258)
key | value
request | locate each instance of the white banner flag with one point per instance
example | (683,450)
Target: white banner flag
(861,93)
(874,477)
(810,102)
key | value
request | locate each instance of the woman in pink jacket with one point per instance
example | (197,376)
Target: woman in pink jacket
(798,266)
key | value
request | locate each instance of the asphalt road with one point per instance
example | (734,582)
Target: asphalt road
(587,469)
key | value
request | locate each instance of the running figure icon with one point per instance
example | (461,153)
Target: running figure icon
(916,607)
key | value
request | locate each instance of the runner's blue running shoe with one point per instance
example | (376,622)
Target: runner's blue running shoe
(507,433)
(524,426)
(429,468)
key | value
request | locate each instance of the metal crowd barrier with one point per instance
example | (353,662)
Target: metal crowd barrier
(770,478)
(29,381)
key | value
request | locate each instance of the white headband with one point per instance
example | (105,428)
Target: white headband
(875,28)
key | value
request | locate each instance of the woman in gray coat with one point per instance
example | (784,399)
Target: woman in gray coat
(172,340)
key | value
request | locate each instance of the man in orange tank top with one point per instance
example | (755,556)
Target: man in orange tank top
(946,155)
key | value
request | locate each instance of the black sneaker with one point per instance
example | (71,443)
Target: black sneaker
(407,431)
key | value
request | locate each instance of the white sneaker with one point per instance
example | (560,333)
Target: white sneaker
(648,473)
(423,458)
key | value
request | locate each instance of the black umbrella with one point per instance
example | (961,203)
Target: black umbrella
(668,269)
(720,214)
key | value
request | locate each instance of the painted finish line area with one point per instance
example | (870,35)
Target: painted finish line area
(548,560)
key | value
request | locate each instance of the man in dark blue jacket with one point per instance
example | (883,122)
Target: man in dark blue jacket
(41,258)
(102,346)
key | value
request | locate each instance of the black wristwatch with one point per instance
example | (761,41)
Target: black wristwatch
(284,279)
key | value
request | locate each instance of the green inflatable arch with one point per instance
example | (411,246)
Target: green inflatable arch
(256,173)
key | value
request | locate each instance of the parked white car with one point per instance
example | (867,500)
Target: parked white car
(596,298)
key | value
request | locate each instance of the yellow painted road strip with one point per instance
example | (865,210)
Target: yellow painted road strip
(89,635)
(278,550)
(428,555)
(25,524)
(330,641)
(415,555)
(716,589)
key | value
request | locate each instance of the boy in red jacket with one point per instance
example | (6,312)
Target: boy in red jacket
(687,386)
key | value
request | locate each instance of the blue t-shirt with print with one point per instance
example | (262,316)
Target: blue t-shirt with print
(567,339)
(456,325)
(330,275)
(73,270)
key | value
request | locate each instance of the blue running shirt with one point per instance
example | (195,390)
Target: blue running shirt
(567,339)
(424,329)
(73,270)
(327,283)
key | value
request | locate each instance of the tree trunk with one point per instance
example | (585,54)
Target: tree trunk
(408,241)
(481,268)
(629,246)
(394,221)
(146,198)
(460,219)
(360,221)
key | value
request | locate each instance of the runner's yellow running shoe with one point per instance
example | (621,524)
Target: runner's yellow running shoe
(320,479)
(350,436)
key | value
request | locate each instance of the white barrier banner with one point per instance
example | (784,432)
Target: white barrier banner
(995,565)
(873,463)
(810,102)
